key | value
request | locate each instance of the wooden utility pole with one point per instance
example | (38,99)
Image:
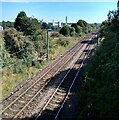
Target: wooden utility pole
(47,40)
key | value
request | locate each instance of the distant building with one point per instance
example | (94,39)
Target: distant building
(59,24)
(1,28)
(50,30)
(63,24)
(69,24)
(66,20)
(118,5)
(53,22)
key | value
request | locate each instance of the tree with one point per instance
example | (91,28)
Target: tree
(82,23)
(65,30)
(28,25)
(72,31)
(77,28)
(44,25)
(7,24)
(32,26)
(99,95)
(21,21)
(16,42)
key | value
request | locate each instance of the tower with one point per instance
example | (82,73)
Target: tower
(58,24)
(53,22)
(66,20)
(118,5)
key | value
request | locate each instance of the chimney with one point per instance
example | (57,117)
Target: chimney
(53,22)
(66,20)
(118,5)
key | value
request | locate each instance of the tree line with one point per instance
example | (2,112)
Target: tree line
(79,28)
(25,38)
(7,24)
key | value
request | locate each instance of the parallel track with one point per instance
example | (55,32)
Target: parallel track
(25,94)
(54,105)
(38,75)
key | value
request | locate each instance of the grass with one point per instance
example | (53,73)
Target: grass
(0,84)
(10,79)
(61,49)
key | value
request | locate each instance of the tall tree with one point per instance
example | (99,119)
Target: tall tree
(44,25)
(32,26)
(77,28)
(21,21)
(65,30)
(82,23)
(28,25)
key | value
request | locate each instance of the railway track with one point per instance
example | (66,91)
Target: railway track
(53,106)
(38,75)
(21,98)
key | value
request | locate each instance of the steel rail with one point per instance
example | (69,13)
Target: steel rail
(21,84)
(43,86)
(20,96)
(58,88)
(34,84)
(39,114)
(69,91)
(52,67)
(34,96)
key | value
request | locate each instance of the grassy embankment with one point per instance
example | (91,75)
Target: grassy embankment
(11,79)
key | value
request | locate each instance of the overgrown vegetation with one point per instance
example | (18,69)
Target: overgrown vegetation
(77,29)
(99,99)
(23,48)
(7,24)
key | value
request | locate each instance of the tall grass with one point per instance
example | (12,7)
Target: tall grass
(11,76)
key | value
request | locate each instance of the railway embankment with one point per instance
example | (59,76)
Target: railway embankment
(33,96)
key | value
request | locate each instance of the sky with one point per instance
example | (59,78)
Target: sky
(92,12)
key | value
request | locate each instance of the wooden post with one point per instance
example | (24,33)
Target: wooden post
(47,44)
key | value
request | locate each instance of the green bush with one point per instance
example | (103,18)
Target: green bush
(65,30)
(100,94)
(55,35)
(63,42)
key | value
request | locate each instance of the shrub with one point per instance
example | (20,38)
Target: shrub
(65,31)
(63,42)
(55,34)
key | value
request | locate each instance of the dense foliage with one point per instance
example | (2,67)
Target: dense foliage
(78,28)
(27,25)
(24,46)
(65,31)
(100,94)
(25,42)
(7,24)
